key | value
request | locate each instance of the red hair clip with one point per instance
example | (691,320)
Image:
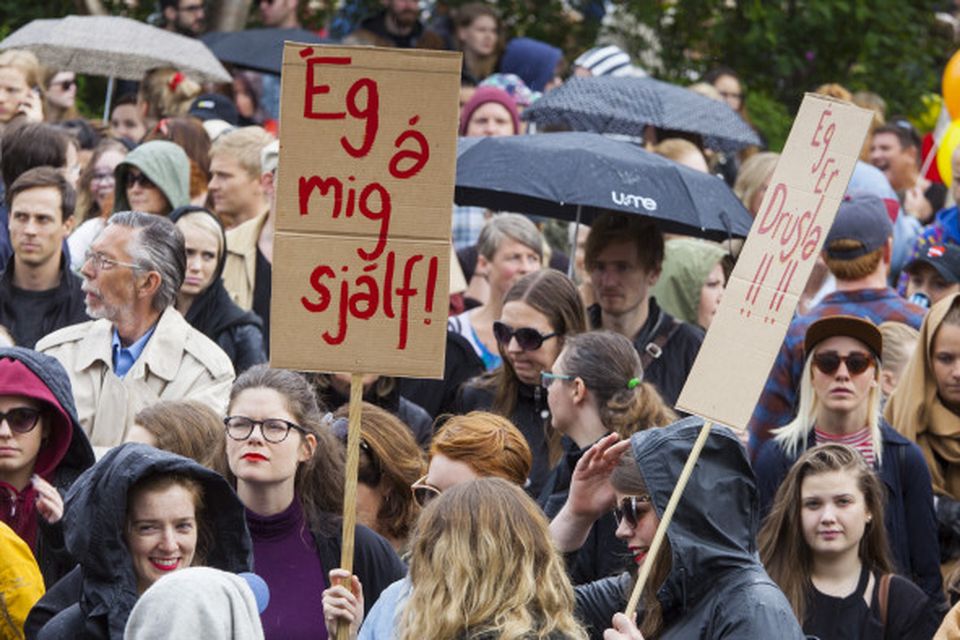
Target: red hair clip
(175,81)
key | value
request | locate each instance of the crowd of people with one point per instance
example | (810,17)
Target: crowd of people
(160,478)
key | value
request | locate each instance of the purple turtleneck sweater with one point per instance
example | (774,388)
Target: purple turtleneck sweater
(285,556)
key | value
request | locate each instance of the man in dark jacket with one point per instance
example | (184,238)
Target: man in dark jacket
(398,25)
(38,292)
(624,255)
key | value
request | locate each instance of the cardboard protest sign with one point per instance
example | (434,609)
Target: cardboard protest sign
(784,242)
(364,195)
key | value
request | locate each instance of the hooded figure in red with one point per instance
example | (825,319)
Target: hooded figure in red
(42,451)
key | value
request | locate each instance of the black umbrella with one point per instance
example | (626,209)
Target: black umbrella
(625,106)
(256,49)
(577,176)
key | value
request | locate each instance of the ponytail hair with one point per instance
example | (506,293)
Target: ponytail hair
(168,93)
(610,368)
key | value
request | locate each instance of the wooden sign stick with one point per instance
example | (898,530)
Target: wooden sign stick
(667,517)
(350,486)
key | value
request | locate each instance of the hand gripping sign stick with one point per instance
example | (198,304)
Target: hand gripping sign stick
(667,517)
(350,487)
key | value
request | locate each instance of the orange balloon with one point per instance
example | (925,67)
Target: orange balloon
(951,86)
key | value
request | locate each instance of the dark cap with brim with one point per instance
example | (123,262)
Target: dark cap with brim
(943,258)
(858,328)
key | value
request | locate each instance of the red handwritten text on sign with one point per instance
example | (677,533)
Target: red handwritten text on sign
(380,287)
(797,232)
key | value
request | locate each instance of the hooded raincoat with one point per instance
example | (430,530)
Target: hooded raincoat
(214,314)
(165,164)
(716,587)
(686,264)
(95,600)
(64,454)
(21,584)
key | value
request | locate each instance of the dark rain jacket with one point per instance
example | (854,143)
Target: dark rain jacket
(94,521)
(717,587)
(214,314)
(64,308)
(51,554)
(439,397)
(909,516)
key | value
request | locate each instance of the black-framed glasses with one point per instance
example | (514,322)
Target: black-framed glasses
(528,338)
(273,430)
(546,379)
(138,178)
(629,510)
(367,474)
(21,419)
(423,493)
(103,263)
(829,361)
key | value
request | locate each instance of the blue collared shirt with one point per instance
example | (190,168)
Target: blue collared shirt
(124,357)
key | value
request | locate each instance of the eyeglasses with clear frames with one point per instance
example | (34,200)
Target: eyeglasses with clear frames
(103,263)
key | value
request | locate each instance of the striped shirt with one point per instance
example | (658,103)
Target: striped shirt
(859,440)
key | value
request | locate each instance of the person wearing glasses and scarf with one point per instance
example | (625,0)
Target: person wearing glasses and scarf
(540,311)
(42,451)
(288,472)
(839,402)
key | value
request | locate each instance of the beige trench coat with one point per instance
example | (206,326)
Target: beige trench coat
(178,363)
(240,268)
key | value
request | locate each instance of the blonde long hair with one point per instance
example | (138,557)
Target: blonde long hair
(483,565)
(792,437)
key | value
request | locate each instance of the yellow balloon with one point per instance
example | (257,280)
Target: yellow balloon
(945,153)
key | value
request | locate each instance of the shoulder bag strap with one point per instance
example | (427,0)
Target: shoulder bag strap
(884,597)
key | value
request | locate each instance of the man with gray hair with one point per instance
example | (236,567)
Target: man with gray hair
(139,349)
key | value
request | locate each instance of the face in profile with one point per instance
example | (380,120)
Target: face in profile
(161,532)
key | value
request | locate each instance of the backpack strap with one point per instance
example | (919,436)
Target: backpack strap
(884,596)
(654,349)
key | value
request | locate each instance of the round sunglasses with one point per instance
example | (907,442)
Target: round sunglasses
(829,361)
(528,338)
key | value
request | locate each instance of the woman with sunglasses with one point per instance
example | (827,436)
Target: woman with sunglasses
(153,178)
(42,451)
(824,545)
(839,402)
(539,313)
(390,463)
(288,472)
(596,388)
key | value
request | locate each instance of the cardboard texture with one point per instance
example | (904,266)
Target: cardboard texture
(784,242)
(361,269)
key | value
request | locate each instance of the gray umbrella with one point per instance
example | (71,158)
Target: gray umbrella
(114,47)
(625,106)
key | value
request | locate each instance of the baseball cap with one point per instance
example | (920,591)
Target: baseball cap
(862,217)
(213,106)
(852,326)
(944,258)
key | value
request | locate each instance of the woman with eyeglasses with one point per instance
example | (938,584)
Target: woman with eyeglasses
(824,545)
(42,451)
(596,387)
(153,178)
(95,195)
(539,313)
(288,472)
(390,463)
(706,582)
(839,402)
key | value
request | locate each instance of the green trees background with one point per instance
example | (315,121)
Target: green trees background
(781,48)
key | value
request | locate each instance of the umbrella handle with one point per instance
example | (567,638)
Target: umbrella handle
(573,245)
(107,101)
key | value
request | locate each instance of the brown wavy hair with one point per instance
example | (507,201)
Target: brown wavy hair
(185,427)
(318,481)
(607,362)
(467,543)
(489,443)
(394,456)
(783,550)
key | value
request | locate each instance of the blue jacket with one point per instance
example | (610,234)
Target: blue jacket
(910,518)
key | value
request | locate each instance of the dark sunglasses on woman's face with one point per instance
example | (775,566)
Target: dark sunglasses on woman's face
(138,178)
(629,509)
(528,338)
(21,419)
(829,361)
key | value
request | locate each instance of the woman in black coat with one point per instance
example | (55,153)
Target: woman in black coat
(204,301)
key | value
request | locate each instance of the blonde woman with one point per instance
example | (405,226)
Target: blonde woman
(469,541)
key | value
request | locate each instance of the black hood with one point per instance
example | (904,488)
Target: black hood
(714,527)
(95,518)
